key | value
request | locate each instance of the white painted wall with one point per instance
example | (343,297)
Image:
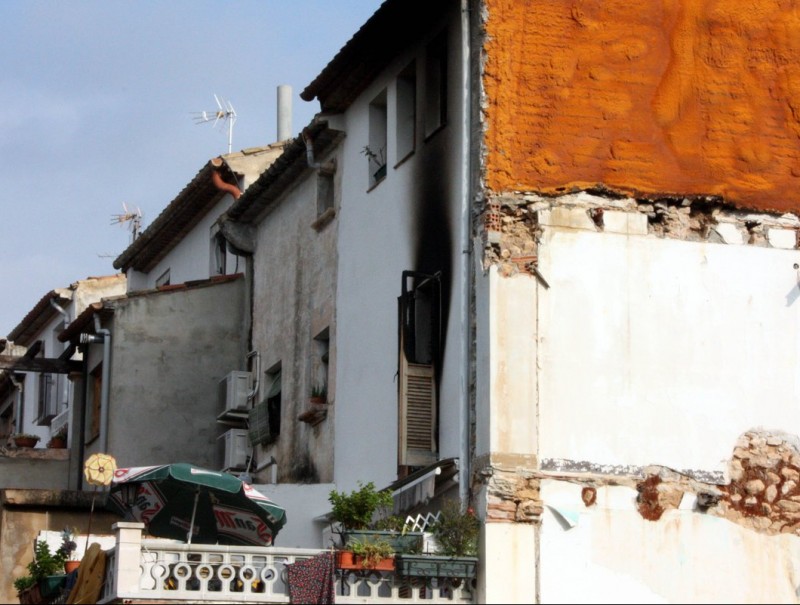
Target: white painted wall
(376,232)
(190,258)
(609,554)
(656,351)
(303,504)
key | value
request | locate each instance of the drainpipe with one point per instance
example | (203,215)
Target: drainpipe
(216,178)
(256,374)
(58,308)
(312,163)
(105,335)
(19,386)
(466,259)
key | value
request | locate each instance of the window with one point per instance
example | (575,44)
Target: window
(325,188)
(319,361)
(47,399)
(264,420)
(219,252)
(375,150)
(436,84)
(163,279)
(94,417)
(406,128)
(420,313)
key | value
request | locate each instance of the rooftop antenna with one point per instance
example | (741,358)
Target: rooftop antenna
(134,218)
(224,113)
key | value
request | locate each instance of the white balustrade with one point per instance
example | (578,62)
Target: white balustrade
(164,570)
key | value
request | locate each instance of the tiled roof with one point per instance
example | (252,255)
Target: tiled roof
(191,205)
(389,31)
(39,316)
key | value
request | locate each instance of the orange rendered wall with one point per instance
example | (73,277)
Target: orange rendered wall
(646,97)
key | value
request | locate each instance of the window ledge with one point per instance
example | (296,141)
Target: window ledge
(404,159)
(435,131)
(323,219)
(376,183)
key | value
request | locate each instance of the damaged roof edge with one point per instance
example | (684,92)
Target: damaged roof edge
(289,166)
(40,314)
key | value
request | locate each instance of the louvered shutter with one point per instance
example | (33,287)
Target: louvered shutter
(417,422)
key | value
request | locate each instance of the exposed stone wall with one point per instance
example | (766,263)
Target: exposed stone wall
(763,493)
(513,223)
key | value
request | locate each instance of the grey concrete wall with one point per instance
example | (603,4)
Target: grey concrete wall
(169,351)
(294,293)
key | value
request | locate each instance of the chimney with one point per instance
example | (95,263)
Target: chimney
(284,112)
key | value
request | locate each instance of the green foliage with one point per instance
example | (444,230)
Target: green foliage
(391,523)
(371,551)
(24,583)
(26,436)
(68,544)
(357,509)
(319,390)
(45,563)
(456,532)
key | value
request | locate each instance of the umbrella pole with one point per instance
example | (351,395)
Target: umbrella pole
(91,514)
(191,523)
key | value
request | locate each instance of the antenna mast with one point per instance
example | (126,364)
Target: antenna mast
(135,219)
(225,112)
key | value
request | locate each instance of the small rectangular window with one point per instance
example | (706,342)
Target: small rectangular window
(163,279)
(406,128)
(325,188)
(264,420)
(436,84)
(375,150)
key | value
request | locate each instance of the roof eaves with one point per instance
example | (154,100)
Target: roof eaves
(41,313)
(283,172)
(370,50)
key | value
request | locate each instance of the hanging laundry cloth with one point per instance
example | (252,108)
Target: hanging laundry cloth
(311,580)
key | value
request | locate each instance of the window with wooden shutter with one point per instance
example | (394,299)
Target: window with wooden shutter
(419,353)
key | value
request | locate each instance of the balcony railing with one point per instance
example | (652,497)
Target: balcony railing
(160,570)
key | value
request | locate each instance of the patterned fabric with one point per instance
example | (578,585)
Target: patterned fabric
(311,580)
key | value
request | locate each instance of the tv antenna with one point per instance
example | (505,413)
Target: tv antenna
(134,218)
(225,113)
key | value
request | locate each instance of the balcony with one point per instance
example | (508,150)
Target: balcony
(155,570)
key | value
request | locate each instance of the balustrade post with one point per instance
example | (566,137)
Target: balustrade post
(128,556)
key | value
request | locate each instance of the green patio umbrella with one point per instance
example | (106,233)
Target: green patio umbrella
(186,502)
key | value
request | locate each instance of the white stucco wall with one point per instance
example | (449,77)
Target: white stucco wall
(659,351)
(190,259)
(379,231)
(303,504)
(609,554)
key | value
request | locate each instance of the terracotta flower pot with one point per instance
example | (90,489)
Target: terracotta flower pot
(25,441)
(347,560)
(57,443)
(70,566)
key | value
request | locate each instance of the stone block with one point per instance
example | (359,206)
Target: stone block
(782,238)
(628,223)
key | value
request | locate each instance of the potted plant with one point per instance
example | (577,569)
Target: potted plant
(318,411)
(45,575)
(363,516)
(377,162)
(456,535)
(368,554)
(68,548)
(319,394)
(59,439)
(25,439)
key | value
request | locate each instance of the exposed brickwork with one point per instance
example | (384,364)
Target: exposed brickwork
(518,231)
(676,97)
(512,498)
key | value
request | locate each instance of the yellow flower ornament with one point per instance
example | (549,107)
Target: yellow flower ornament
(99,469)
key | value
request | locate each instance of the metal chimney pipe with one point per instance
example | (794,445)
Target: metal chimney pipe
(284,112)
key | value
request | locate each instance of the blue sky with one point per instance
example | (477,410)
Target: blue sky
(96,110)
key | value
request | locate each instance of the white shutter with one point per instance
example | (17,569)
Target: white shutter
(417,414)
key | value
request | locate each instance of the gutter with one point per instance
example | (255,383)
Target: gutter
(104,335)
(466,260)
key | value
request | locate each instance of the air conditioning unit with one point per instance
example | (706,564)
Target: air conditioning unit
(232,393)
(233,449)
